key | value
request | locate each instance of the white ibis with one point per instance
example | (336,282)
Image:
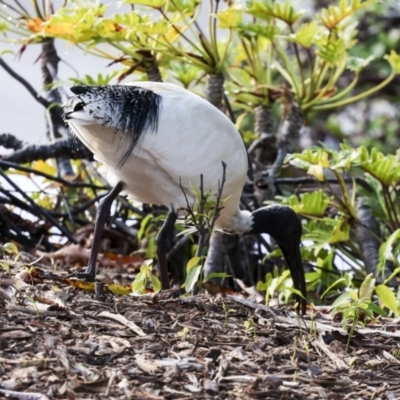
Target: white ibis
(156,139)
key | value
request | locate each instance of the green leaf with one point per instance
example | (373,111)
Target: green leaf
(267,31)
(367,288)
(330,49)
(386,249)
(310,204)
(143,226)
(392,275)
(156,283)
(336,283)
(158,4)
(341,232)
(216,275)
(342,299)
(394,60)
(387,298)
(192,277)
(11,248)
(139,284)
(230,17)
(192,263)
(357,64)
(332,16)
(306,34)
(267,9)
(385,168)
(376,309)
(285,274)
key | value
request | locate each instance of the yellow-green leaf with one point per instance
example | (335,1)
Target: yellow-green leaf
(192,263)
(306,34)
(367,288)
(394,60)
(45,167)
(11,248)
(149,3)
(192,277)
(317,171)
(387,298)
(230,17)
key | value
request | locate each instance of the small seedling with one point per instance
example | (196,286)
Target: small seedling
(227,312)
(145,275)
(9,248)
(184,333)
(356,305)
(250,327)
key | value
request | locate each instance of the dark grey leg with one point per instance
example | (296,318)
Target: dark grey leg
(103,212)
(164,236)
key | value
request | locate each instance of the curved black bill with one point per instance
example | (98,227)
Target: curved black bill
(293,259)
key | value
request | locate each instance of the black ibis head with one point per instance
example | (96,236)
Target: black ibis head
(283,224)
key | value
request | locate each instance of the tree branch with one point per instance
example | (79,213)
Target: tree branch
(25,83)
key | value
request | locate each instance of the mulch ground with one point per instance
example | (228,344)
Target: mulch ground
(59,342)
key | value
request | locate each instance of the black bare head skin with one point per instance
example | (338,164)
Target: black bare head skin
(283,224)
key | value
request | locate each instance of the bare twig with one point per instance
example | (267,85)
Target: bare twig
(6,165)
(25,83)
(41,212)
(29,153)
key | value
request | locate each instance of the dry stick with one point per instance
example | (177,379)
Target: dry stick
(15,201)
(200,226)
(25,83)
(9,141)
(42,212)
(35,152)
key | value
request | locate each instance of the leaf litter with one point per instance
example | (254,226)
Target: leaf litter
(57,341)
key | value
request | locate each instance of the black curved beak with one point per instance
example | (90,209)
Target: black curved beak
(291,252)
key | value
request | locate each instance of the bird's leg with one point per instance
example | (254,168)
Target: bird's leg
(103,212)
(162,238)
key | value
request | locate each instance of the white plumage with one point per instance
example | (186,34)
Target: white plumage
(156,136)
(192,138)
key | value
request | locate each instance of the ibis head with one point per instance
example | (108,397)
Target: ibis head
(283,224)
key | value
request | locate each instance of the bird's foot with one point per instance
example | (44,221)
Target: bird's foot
(87,276)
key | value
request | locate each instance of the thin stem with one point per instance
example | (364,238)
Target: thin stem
(359,96)
(37,9)
(249,58)
(21,7)
(214,30)
(225,51)
(289,68)
(268,77)
(338,96)
(388,204)
(8,164)
(15,10)
(219,195)
(180,33)
(37,208)
(323,91)
(296,50)
(193,19)
(310,62)
(25,83)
